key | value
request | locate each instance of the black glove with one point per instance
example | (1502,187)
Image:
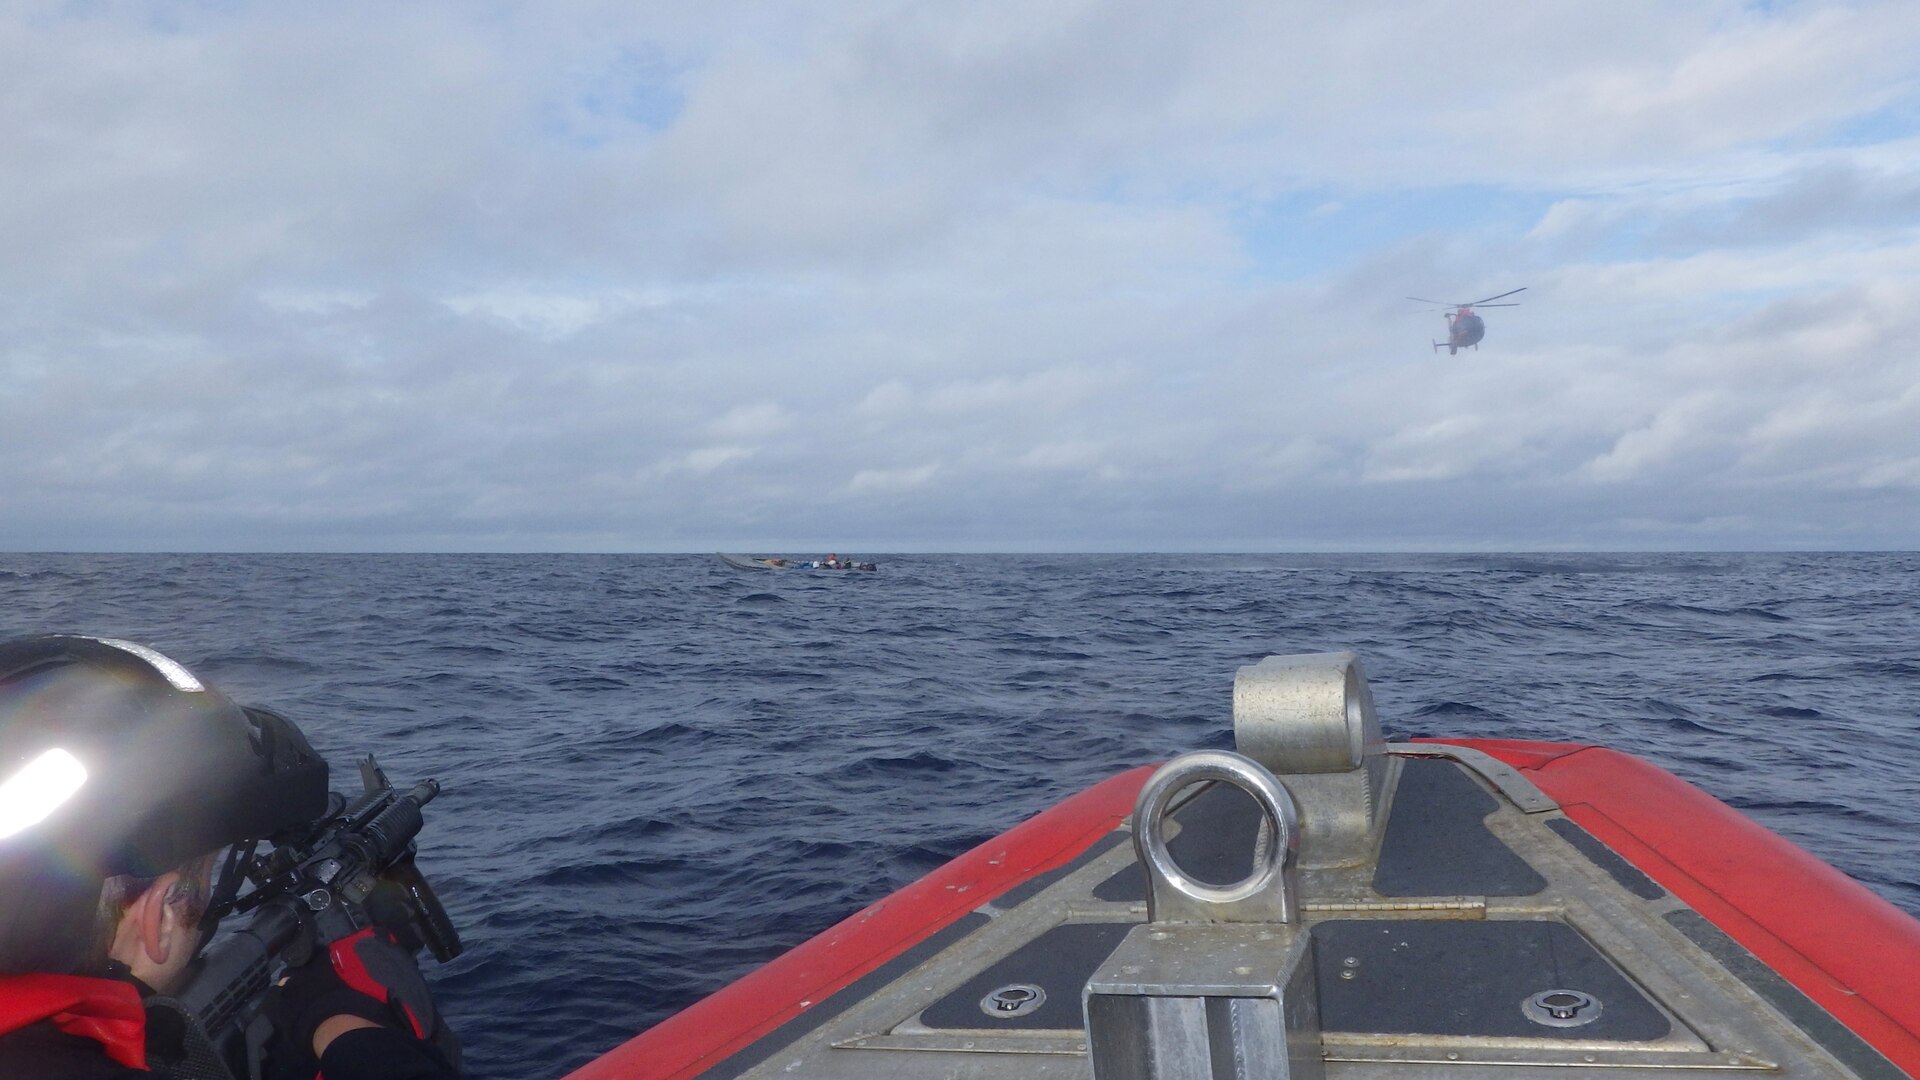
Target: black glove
(366,975)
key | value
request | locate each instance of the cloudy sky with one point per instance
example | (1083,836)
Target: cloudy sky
(887,276)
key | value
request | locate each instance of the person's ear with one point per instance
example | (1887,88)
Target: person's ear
(159,931)
(160,912)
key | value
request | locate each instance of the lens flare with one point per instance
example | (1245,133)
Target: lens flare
(38,789)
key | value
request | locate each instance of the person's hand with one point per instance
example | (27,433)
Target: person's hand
(361,981)
(310,1008)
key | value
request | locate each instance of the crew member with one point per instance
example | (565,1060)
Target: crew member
(122,777)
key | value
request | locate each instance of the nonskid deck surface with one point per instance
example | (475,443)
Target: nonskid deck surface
(1490,935)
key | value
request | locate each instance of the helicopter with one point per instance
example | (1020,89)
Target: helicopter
(1464,328)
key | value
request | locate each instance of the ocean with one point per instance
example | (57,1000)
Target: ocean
(659,772)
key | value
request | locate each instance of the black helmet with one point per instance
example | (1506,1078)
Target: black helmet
(115,760)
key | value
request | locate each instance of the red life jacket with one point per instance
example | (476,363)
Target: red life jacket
(107,1011)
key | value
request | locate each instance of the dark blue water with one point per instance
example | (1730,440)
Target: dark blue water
(660,772)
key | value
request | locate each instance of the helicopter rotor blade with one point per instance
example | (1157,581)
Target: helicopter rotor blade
(1423,300)
(1510,292)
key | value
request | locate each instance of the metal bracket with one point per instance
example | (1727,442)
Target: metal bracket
(1310,718)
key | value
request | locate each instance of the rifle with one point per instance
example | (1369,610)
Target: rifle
(347,871)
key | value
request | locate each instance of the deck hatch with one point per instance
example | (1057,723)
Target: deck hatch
(1435,977)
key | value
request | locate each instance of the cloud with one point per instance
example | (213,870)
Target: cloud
(757,420)
(890,398)
(1095,273)
(1050,390)
(1715,77)
(708,458)
(1658,441)
(888,481)
(1082,455)
(1903,474)
(545,315)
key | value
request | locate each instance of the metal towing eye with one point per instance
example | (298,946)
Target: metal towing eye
(1220,977)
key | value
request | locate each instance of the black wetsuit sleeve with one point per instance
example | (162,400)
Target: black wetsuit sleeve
(381,1053)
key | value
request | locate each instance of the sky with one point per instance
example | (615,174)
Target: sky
(875,276)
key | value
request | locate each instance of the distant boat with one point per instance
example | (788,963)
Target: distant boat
(756,562)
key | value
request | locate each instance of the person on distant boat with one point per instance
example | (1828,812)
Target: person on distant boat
(122,778)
